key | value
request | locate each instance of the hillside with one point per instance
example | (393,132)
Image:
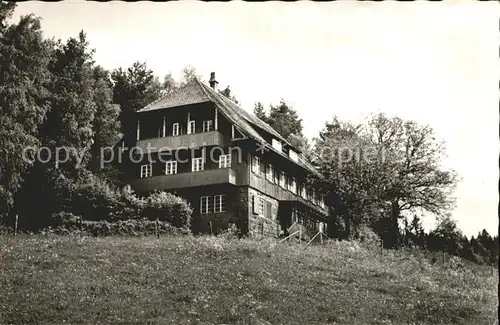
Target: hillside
(181,280)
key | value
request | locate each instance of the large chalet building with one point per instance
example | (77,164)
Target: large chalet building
(229,165)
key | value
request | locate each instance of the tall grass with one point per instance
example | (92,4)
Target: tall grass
(208,280)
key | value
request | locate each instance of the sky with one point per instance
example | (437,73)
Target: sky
(435,63)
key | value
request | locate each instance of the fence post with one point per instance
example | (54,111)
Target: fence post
(15,225)
(157,229)
(210,224)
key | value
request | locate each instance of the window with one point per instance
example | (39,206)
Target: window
(293,155)
(282,179)
(225,161)
(269,208)
(191,127)
(164,127)
(254,206)
(171,167)
(220,203)
(175,129)
(205,204)
(293,186)
(207,126)
(261,206)
(146,170)
(197,165)
(270,173)
(303,191)
(256,165)
(276,145)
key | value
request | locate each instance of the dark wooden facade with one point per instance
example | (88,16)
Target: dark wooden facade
(242,183)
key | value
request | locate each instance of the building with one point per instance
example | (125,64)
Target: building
(232,167)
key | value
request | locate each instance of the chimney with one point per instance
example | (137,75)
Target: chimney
(213,82)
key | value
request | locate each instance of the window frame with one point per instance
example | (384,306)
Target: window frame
(173,166)
(206,206)
(148,168)
(256,165)
(207,125)
(191,128)
(175,129)
(270,173)
(225,161)
(193,164)
(222,203)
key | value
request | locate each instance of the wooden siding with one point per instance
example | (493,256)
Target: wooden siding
(277,192)
(195,140)
(167,182)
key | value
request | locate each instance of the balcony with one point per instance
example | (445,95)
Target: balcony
(194,140)
(276,191)
(168,182)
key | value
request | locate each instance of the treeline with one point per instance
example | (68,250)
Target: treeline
(53,95)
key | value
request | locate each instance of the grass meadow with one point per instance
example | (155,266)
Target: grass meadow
(208,280)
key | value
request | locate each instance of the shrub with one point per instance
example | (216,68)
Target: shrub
(167,207)
(135,227)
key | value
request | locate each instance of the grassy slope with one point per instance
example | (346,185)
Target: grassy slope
(181,280)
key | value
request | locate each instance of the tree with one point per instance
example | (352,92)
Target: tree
(411,175)
(6,11)
(133,89)
(260,112)
(285,120)
(446,237)
(188,74)
(383,168)
(106,125)
(24,77)
(169,84)
(69,122)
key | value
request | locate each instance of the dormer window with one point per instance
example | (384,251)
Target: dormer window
(276,145)
(293,155)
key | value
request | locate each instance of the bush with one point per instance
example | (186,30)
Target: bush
(167,207)
(134,227)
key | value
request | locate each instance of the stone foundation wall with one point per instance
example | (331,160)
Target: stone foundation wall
(260,226)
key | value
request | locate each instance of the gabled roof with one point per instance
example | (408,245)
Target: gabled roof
(196,91)
(190,93)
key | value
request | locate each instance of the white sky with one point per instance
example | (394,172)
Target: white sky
(436,63)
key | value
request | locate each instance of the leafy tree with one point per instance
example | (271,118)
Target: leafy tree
(24,76)
(285,120)
(260,112)
(6,11)
(411,174)
(70,120)
(446,237)
(169,84)
(134,88)
(188,74)
(383,168)
(106,125)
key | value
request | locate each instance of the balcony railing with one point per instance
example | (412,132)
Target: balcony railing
(167,182)
(282,194)
(194,140)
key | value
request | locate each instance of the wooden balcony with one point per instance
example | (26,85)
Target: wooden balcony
(274,190)
(167,182)
(194,140)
